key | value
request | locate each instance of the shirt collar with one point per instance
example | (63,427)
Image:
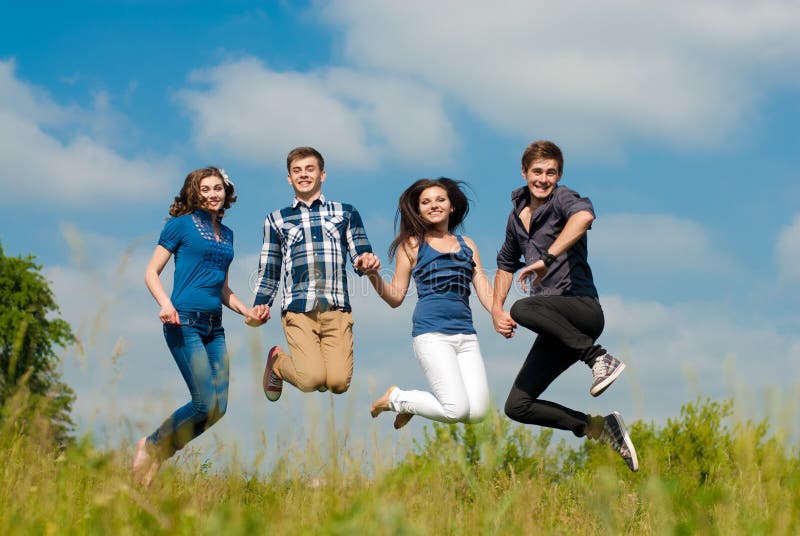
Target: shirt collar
(321,200)
(522,196)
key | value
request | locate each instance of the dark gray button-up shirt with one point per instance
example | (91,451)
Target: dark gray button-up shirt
(570,274)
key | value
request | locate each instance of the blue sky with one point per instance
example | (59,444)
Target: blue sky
(679,121)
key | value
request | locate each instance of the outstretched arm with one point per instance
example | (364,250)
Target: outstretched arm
(573,230)
(232,302)
(358,246)
(395,292)
(152,279)
(479,280)
(503,323)
(269,274)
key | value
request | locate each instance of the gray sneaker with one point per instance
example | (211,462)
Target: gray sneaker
(605,370)
(615,434)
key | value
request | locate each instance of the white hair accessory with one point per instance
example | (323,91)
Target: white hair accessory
(225,178)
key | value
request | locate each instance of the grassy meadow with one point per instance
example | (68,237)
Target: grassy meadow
(703,472)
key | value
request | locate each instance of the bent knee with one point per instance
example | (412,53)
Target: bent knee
(311,382)
(515,310)
(339,388)
(338,385)
(203,408)
(456,412)
(523,311)
(477,417)
(513,409)
(478,412)
(218,413)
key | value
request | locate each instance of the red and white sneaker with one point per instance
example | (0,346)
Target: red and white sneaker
(273,385)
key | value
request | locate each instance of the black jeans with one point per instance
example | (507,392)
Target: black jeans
(567,328)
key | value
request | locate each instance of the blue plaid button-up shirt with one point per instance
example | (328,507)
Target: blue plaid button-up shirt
(309,245)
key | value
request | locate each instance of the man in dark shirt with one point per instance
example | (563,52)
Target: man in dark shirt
(547,227)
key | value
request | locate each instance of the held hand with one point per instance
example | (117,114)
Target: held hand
(368,262)
(257,316)
(251,317)
(537,269)
(168,315)
(504,324)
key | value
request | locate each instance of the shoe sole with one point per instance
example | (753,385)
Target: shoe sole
(598,389)
(626,438)
(271,393)
(402,420)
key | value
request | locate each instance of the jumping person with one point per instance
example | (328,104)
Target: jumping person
(192,316)
(309,242)
(443,265)
(547,226)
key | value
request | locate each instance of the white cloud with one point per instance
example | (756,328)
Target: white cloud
(588,74)
(657,243)
(665,341)
(356,120)
(79,170)
(788,251)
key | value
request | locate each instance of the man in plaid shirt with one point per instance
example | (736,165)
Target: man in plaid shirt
(309,242)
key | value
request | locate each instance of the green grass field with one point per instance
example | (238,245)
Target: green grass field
(703,472)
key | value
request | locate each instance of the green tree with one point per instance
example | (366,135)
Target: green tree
(30,332)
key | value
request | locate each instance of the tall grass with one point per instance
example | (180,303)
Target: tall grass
(704,472)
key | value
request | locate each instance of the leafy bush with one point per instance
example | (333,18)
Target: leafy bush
(703,472)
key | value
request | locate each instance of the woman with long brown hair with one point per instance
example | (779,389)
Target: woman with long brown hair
(192,315)
(443,265)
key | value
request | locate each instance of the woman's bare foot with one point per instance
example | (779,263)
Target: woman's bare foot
(402,420)
(142,460)
(382,404)
(151,472)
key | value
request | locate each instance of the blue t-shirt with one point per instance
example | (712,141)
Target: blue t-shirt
(442,281)
(201,261)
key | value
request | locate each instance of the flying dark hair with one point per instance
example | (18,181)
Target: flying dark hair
(189,198)
(407,221)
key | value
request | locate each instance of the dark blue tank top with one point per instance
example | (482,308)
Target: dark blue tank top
(442,281)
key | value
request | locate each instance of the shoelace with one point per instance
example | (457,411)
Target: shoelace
(601,367)
(614,437)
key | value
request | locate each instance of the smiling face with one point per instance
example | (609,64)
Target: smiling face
(434,206)
(542,176)
(212,190)
(306,178)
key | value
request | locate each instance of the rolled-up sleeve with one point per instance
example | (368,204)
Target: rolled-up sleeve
(269,266)
(171,235)
(356,235)
(569,202)
(508,258)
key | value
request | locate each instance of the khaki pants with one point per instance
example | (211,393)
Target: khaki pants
(321,351)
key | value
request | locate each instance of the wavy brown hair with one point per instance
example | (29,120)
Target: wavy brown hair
(189,198)
(411,225)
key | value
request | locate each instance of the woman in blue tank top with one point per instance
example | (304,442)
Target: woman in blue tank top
(192,315)
(443,265)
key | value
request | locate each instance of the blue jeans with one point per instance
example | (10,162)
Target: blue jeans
(198,346)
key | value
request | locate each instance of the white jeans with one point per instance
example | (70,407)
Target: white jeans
(455,372)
